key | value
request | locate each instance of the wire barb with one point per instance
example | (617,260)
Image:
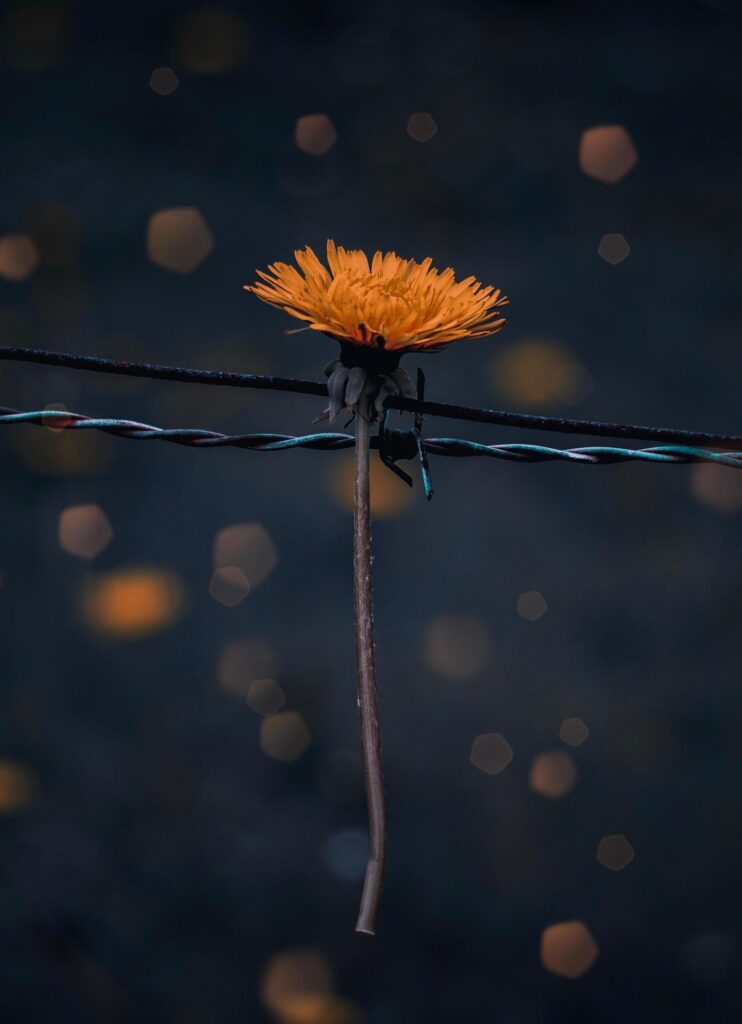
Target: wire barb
(406,444)
(445,446)
(596,428)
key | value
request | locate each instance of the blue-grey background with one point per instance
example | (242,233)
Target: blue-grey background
(164,859)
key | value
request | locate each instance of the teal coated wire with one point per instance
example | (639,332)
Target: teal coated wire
(326,441)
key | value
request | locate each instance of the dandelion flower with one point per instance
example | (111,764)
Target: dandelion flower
(378,311)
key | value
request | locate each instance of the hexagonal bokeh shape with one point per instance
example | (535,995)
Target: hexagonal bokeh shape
(178,239)
(315,134)
(607,153)
(573,731)
(229,585)
(615,852)
(491,753)
(421,127)
(568,949)
(284,736)
(532,605)
(163,81)
(19,257)
(458,645)
(247,546)
(614,249)
(719,490)
(537,371)
(553,774)
(242,662)
(84,531)
(265,697)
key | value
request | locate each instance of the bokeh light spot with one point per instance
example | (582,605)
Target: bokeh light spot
(346,852)
(537,371)
(178,239)
(284,736)
(33,36)
(614,249)
(265,697)
(164,81)
(315,134)
(573,731)
(132,603)
(532,605)
(19,257)
(212,41)
(297,988)
(458,646)
(244,661)
(421,127)
(229,585)
(390,496)
(568,949)
(68,454)
(718,487)
(292,973)
(84,531)
(607,153)
(553,774)
(18,787)
(249,547)
(55,423)
(615,852)
(491,753)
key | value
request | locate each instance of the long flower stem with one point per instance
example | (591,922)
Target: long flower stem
(367,694)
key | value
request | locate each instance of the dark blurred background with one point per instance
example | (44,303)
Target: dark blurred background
(182,817)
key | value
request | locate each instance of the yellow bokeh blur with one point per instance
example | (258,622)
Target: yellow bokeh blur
(315,134)
(18,787)
(19,257)
(212,41)
(84,531)
(458,645)
(133,603)
(568,949)
(539,371)
(178,239)
(298,988)
(607,153)
(284,736)
(390,496)
(553,774)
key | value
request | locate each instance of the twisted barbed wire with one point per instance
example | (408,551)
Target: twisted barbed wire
(394,442)
(669,446)
(224,378)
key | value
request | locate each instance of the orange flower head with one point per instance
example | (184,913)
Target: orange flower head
(391,304)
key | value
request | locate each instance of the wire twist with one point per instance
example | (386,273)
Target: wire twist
(58,419)
(499,417)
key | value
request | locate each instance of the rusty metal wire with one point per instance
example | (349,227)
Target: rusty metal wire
(395,444)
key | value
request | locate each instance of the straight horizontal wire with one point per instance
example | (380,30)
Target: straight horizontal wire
(57,419)
(596,428)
